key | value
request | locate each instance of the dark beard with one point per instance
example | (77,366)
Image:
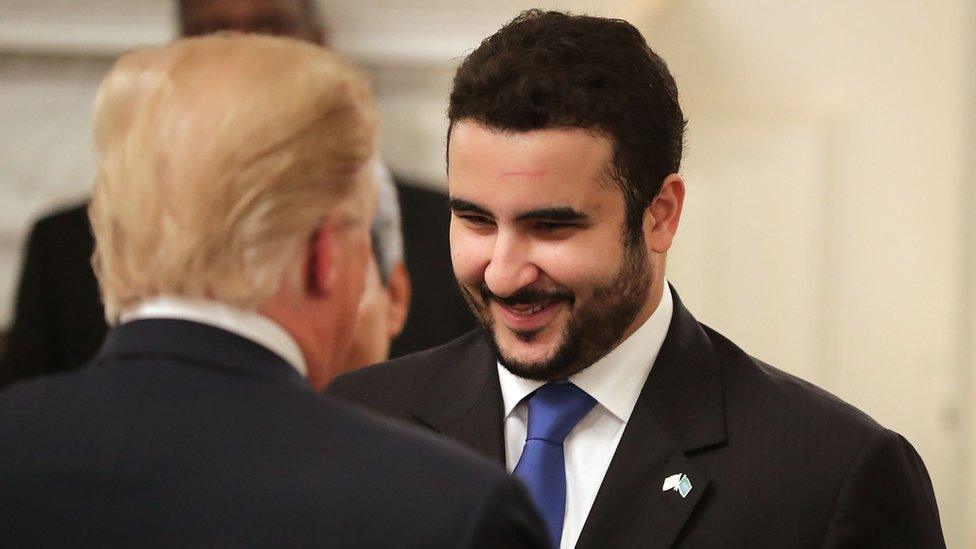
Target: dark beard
(592,331)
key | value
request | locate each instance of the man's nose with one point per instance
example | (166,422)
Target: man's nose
(510,268)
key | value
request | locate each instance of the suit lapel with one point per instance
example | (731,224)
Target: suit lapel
(464,400)
(630,509)
(679,410)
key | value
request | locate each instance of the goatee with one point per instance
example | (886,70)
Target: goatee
(596,325)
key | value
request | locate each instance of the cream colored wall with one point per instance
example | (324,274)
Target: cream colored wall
(968,319)
(827,165)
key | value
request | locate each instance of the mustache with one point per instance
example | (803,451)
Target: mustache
(526,295)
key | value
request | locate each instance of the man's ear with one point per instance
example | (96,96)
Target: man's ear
(661,218)
(398,290)
(321,261)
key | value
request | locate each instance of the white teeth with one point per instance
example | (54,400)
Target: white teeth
(530,311)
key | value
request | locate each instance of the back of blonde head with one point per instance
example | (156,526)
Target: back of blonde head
(218,157)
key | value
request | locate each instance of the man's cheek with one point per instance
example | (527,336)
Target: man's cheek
(468,263)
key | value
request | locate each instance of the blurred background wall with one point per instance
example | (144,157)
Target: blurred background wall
(830,224)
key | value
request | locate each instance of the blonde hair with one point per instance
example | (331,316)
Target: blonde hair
(218,158)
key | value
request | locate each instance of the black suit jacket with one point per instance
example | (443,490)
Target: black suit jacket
(59,322)
(185,435)
(773,460)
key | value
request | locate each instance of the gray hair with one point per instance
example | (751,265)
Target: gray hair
(386,234)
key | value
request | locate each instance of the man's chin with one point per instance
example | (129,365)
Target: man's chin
(533,360)
(524,362)
(538,371)
(527,346)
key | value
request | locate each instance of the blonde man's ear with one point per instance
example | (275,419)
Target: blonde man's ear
(399,291)
(321,272)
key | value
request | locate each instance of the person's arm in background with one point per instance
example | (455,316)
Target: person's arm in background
(30,348)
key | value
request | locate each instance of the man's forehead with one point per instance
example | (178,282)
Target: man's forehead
(544,168)
(527,153)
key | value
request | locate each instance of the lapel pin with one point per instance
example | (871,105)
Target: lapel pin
(679,483)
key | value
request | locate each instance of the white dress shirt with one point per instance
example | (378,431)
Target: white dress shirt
(615,381)
(247,324)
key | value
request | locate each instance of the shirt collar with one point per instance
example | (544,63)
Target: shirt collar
(615,381)
(247,324)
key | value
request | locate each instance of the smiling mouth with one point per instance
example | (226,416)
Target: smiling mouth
(525,313)
(527,309)
(526,320)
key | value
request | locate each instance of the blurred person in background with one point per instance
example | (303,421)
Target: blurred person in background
(58,321)
(632,424)
(383,309)
(231,213)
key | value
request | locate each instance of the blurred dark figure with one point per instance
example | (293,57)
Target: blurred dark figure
(59,322)
(295,18)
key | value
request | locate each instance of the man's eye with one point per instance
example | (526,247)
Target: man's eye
(477,220)
(552,226)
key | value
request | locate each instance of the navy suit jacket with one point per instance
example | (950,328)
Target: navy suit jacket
(184,435)
(772,460)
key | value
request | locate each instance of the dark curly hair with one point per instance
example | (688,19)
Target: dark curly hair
(551,69)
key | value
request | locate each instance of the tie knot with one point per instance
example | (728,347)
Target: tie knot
(554,409)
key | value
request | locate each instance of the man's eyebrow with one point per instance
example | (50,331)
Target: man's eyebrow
(461,205)
(555,213)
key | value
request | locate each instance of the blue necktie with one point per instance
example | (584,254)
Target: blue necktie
(554,409)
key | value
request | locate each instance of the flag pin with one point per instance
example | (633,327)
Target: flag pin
(679,483)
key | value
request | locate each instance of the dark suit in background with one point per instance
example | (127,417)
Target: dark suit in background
(438,314)
(182,434)
(59,323)
(773,461)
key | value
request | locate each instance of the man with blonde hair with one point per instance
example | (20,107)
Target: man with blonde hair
(231,213)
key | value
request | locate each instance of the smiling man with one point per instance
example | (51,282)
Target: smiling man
(534,213)
(632,424)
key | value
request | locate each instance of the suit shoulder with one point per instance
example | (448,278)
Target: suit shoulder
(30,395)
(424,459)
(455,494)
(418,446)
(390,387)
(754,386)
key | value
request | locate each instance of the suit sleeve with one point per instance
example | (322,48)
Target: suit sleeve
(507,519)
(886,500)
(29,350)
